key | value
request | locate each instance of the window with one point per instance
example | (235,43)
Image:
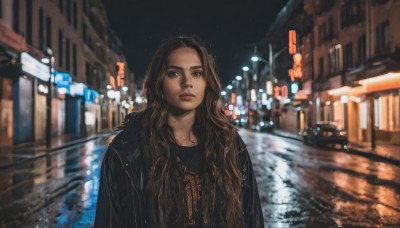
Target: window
(324,35)
(321,66)
(348,56)
(331,27)
(382,37)
(320,34)
(1,9)
(60,48)
(16,16)
(351,12)
(84,32)
(74,60)
(85,7)
(88,74)
(68,9)
(28,35)
(361,54)
(75,15)
(41,29)
(48,32)
(67,55)
(387,117)
(335,55)
(61,5)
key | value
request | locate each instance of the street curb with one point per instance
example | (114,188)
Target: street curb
(354,151)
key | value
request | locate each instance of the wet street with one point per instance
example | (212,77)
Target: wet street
(300,186)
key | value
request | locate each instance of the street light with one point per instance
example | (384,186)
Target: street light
(238,77)
(245,68)
(229,87)
(256,59)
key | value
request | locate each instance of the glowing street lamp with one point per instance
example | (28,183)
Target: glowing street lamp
(238,77)
(245,68)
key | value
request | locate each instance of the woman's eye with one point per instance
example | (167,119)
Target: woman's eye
(173,74)
(198,73)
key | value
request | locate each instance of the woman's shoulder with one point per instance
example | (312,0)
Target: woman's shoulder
(240,144)
(133,119)
(130,129)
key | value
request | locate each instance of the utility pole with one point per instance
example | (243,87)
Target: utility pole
(49,54)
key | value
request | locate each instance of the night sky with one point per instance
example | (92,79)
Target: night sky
(229,28)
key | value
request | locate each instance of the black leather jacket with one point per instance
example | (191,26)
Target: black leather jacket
(123,200)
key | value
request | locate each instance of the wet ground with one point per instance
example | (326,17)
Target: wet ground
(300,186)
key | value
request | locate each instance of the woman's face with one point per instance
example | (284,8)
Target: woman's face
(184,82)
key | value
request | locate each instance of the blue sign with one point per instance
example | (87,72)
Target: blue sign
(91,96)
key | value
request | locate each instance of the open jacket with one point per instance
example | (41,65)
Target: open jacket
(124,200)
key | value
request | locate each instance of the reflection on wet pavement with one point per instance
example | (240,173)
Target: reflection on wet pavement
(299,185)
(60,189)
(319,187)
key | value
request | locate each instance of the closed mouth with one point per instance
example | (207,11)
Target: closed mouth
(187,95)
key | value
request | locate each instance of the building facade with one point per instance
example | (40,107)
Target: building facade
(356,64)
(71,40)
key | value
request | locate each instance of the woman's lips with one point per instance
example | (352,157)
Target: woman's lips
(187,96)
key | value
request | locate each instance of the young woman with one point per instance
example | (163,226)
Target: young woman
(179,163)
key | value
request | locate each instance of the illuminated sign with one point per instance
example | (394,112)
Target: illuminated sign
(112,82)
(62,79)
(121,69)
(280,92)
(233,98)
(120,74)
(292,42)
(77,89)
(296,72)
(34,67)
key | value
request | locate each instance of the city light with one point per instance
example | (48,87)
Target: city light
(254,58)
(238,77)
(223,93)
(245,68)
(229,87)
(45,60)
(380,78)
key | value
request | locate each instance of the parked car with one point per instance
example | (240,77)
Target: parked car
(264,126)
(324,134)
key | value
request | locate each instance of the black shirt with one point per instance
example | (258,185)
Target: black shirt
(189,160)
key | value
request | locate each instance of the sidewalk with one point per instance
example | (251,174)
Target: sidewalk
(383,151)
(14,154)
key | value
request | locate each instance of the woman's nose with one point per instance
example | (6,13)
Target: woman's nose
(187,82)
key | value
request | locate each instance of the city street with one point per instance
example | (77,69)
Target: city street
(300,186)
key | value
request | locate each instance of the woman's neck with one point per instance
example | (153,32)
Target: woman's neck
(182,126)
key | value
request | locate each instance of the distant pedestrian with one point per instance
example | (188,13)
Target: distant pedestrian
(179,162)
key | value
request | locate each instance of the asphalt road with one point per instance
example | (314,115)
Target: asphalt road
(299,185)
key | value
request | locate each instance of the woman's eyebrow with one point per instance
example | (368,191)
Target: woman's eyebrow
(180,68)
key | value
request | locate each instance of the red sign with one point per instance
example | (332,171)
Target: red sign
(296,72)
(280,92)
(292,42)
(121,69)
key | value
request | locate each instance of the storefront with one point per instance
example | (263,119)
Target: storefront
(8,71)
(92,112)
(373,108)
(75,110)
(30,91)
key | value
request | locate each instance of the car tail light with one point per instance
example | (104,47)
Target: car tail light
(326,133)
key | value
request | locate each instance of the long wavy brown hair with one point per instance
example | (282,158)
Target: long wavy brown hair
(221,177)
